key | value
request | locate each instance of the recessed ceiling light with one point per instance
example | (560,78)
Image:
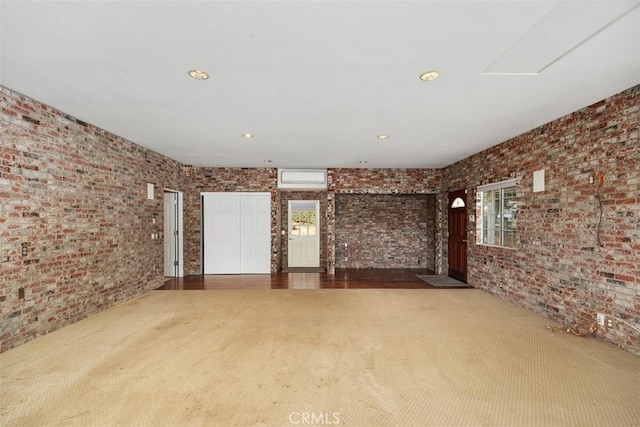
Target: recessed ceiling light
(383,137)
(248,135)
(363,162)
(199,74)
(429,75)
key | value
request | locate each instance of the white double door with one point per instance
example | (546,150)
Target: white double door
(236,229)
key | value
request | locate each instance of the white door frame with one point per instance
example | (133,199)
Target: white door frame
(179,270)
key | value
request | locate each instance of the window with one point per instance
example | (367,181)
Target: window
(457,203)
(303,218)
(498,204)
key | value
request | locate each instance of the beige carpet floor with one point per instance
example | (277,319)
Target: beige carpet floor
(357,357)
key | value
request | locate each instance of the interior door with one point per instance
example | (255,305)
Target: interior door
(458,235)
(171,234)
(304,233)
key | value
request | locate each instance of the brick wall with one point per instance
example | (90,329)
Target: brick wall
(433,237)
(569,263)
(284,196)
(384,231)
(383,181)
(74,198)
(341,181)
(225,180)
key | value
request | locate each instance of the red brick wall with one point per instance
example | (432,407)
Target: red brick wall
(559,268)
(382,181)
(384,231)
(74,197)
(434,240)
(284,197)
(224,180)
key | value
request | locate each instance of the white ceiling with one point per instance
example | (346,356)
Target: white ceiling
(317,81)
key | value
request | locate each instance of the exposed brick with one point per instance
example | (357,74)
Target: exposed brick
(224,180)
(568,264)
(385,231)
(383,182)
(75,196)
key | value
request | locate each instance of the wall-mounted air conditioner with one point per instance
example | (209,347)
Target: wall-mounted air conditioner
(307,179)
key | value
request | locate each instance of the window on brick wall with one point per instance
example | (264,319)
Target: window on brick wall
(498,212)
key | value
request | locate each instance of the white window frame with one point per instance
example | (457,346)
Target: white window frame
(316,217)
(481,190)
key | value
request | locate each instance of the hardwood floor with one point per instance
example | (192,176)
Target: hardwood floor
(343,279)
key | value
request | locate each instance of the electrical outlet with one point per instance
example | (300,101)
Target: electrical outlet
(25,251)
(600,318)
(610,322)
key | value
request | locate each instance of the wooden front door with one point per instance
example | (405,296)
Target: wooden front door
(458,235)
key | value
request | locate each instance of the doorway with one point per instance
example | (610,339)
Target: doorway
(173,253)
(457,244)
(304,233)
